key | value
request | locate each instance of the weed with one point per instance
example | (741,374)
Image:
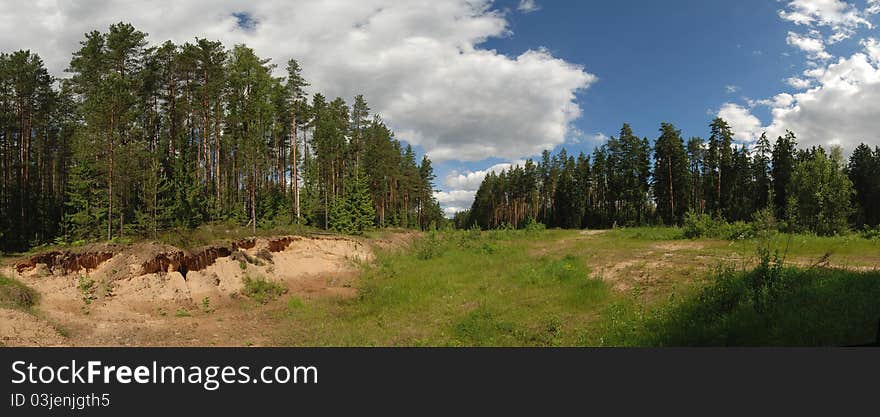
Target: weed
(181,312)
(294,303)
(261,290)
(86,287)
(206,305)
(430,247)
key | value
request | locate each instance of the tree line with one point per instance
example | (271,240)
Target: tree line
(629,181)
(141,138)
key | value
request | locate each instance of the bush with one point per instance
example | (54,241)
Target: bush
(704,226)
(699,225)
(871,234)
(429,248)
(258,289)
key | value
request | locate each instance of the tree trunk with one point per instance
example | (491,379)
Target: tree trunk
(294,177)
(671,195)
(110,180)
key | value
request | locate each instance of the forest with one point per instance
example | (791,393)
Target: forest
(142,138)
(630,182)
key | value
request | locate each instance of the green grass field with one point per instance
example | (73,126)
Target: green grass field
(641,287)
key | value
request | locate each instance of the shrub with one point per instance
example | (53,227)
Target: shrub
(699,225)
(429,248)
(261,290)
(871,234)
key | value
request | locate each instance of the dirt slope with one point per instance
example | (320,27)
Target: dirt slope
(152,294)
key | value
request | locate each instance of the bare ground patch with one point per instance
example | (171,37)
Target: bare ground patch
(153,295)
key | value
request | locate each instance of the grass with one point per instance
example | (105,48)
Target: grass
(261,290)
(803,307)
(631,286)
(14,294)
(461,289)
(543,288)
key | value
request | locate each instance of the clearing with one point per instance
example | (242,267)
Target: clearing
(462,288)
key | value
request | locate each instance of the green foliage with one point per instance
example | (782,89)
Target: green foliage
(86,287)
(770,305)
(14,294)
(822,192)
(353,213)
(294,303)
(261,290)
(871,233)
(704,226)
(429,247)
(206,305)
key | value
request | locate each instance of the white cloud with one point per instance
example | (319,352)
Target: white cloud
(463,186)
(841,17)
(746,127)
(528,6)
(837,102)
(799,83)
(471,180)
(418,62)
(813,45)
(872,48)
(873,7)
(455,201)
(731,89)
(840,110)
(779,100)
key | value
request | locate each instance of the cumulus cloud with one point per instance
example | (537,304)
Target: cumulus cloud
(841,17)
(812,44)
(463,186)
(455,201)
(840,110)
(731,89)
(418,62)
(528,6)
(779,100)
(746,127)
(798,83)
(471,180)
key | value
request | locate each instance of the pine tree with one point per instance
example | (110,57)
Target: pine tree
(783,159)
(671,177)
(864,173)
(353,212)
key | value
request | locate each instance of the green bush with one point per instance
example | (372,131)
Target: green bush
(699,225)
(871,234)
(429,247)
(258,289)
(705,226)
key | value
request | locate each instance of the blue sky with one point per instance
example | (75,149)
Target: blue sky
(477,84)
(673,61)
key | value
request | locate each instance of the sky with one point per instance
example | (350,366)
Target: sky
(479,85)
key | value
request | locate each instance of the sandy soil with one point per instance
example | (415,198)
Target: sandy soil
(123,302)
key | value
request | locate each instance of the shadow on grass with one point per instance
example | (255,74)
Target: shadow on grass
(767,306)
